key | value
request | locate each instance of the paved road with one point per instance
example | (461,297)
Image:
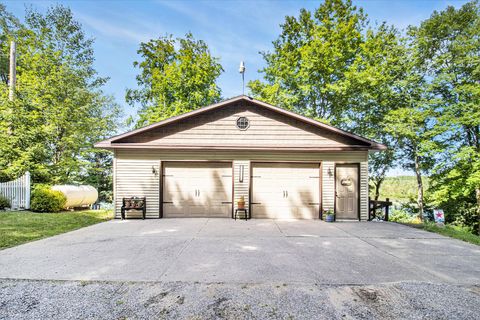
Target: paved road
(257,269)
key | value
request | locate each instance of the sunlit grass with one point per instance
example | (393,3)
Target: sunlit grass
(453,231)
(24,226)
(449,230)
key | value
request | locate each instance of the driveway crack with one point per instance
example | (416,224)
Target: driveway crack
(279,229)
(182,249)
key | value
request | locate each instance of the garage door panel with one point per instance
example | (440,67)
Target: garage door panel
(197,189)
(307,212)
(286,212)
(304,197)
(178,194)
(285,190)
(174,209)
(274,212)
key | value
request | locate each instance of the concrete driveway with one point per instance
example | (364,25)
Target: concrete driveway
(254,251)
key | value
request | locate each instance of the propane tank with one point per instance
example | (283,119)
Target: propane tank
(78,196)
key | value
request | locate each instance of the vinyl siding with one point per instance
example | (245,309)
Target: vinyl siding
(328,185)
(133,172)
(134,177)
(216,129)
(364,190)
(241,188)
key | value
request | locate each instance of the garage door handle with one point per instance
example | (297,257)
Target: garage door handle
(255,203)
(313,203)
(167,201)
(226,202)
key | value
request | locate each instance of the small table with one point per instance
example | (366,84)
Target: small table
(245,211)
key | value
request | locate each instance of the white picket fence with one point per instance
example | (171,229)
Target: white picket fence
(17,191)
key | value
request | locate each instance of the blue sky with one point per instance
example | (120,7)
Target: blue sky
(234,30)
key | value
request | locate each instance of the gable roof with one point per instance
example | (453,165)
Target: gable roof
(363,143)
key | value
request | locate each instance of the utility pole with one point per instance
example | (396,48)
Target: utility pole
(13,70)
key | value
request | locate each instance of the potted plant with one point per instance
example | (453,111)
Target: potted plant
(329,215)
(241,203)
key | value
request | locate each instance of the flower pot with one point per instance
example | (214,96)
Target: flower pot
(329,218)
(241,204)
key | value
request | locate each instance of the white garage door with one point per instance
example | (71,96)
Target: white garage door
(285,190)
(197,189)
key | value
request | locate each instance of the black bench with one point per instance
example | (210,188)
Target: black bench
(134,203)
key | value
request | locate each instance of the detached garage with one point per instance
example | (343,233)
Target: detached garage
(201,163)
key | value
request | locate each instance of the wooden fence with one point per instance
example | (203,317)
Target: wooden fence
(18,192)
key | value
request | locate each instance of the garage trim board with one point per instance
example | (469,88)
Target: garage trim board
(302,153)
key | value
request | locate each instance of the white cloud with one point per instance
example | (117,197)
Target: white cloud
(126,31)
(189,12)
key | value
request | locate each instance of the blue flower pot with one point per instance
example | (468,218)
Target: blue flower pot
(329,218)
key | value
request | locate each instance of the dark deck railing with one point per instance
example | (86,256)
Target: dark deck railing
(374,205)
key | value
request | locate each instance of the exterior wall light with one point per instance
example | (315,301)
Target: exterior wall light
(330,172)
(240,173)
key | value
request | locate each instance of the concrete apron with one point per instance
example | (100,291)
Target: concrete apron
(253,251)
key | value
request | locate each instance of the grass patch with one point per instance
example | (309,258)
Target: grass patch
(23,226)
(452,231)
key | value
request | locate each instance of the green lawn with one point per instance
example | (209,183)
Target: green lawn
(449,231)
(23,226)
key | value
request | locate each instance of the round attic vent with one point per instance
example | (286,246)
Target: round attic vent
(243,123)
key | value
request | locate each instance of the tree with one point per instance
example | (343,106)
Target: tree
(371,90)
(414,126)
(176,76)
(98,173)
(378,165)
(59,110)
(331,66)
(449,44)
(306,69)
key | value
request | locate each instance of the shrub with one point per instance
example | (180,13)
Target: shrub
(402,217)
(4,202)
(45,199)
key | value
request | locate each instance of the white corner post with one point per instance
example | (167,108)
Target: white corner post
(27,190)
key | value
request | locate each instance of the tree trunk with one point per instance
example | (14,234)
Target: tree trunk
(377,184)
(419,188)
